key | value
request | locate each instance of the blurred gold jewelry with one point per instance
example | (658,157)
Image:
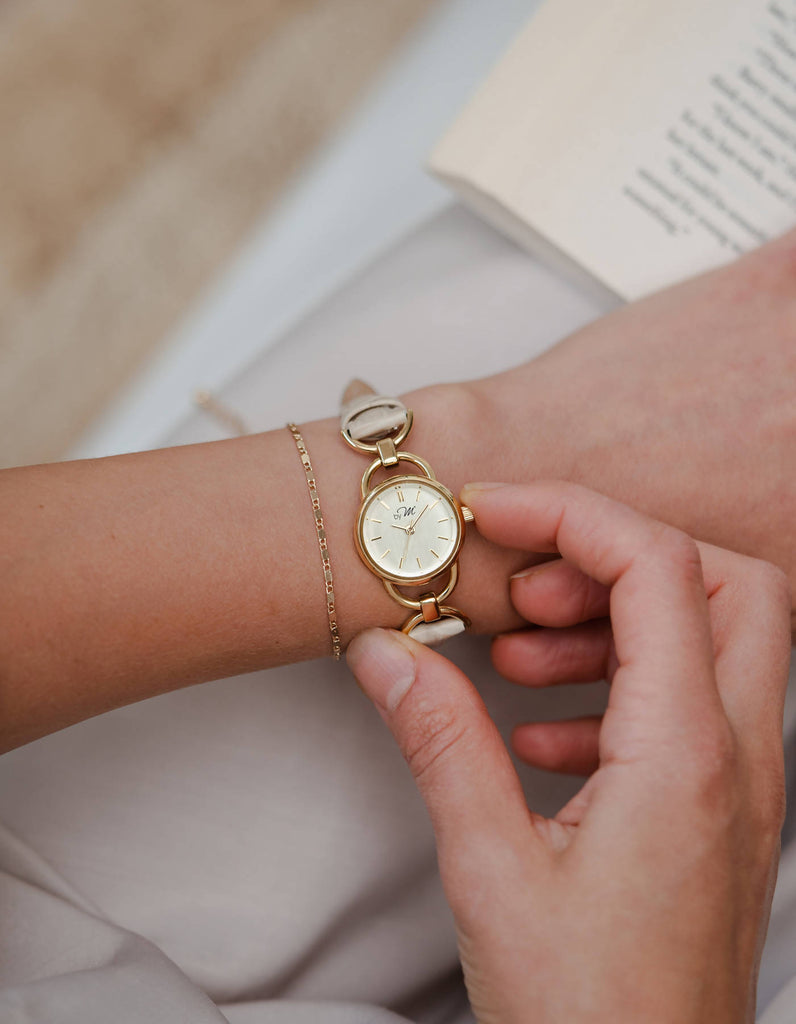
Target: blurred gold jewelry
(220,412)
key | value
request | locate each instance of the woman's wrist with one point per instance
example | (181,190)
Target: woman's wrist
(458,430)
(181,565)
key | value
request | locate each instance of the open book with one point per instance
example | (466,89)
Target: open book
(636,142)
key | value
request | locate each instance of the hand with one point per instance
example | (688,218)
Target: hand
(646,898)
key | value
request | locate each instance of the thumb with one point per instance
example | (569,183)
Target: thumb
(458,759)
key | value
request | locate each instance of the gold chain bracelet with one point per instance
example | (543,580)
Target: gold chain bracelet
(320,529)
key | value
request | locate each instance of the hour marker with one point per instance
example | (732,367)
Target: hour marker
(445,520)
(418,494)
(376,538)
(370,519)
(440,537)
(385,504)
(418,564)
(401,563)
(434,503)
(433,552)
(400,494)
(385,553)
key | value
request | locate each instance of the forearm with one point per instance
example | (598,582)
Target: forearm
(132,576)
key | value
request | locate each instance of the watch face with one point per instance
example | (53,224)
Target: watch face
(409,529)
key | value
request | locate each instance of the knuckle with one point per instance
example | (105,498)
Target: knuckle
(729,792)
(771,805)
(676,549)
(710,795)
(558,657)
(715,762)
(434,734)
(585,598)
(767,790)
(764,816)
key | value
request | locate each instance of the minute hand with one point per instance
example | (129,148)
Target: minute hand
(416,521)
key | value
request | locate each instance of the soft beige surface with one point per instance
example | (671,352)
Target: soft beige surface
(140,142)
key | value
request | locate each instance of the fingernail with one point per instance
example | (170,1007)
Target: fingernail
(384,665)
(534,570)
(473,490)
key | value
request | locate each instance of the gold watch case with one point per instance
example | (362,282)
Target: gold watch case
(391,488)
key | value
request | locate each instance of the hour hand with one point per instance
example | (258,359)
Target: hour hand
(404,528)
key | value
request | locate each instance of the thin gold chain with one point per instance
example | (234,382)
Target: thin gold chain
(320,529)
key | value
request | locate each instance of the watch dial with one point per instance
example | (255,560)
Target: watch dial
(409,528)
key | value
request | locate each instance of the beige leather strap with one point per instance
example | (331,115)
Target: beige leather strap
(450,623)
(367,416)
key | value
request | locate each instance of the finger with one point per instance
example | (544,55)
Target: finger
(665,682)
(557,593)
(544,657)
(459,761)
(571,746)
(750,603)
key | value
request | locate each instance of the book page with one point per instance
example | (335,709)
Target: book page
(646,141)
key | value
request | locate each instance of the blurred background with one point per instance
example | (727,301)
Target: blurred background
(139,143)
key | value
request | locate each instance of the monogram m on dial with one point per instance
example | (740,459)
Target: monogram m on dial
(410,528)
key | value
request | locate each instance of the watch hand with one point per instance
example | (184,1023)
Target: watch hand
(399,527)
(406,548)
(416,521)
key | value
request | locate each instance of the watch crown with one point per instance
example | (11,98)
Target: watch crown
(467,514)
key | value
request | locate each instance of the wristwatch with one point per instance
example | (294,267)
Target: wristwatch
(410,528)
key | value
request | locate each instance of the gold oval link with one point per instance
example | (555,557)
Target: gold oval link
(446,612)
(408,602)
(367,476)
(363,446)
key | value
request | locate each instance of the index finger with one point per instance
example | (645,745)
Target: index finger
(659,610)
